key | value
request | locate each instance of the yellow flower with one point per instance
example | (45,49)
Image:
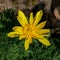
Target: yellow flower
(30,29)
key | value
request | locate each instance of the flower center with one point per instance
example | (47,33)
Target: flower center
(29,29)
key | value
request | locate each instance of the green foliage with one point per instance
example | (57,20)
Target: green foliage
(13,48)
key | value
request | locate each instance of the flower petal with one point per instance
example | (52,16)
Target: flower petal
(12,34)
(38,17)
(44,41)
(43,31)
(38,35)
(31,20)
(27,42)
(21,36)
(22,18)
(46,35)
(41,25)
(18,29)
(26,45)
(30,39)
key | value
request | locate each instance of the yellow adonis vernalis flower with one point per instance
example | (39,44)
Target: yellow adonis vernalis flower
(31,29)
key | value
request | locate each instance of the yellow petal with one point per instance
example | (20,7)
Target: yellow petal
(38,35)
(43,31)
(44,41)
(18,29)
(35,35)
(38,17)
(31,20)
(22,18)
(41,25)
(27,42)
(21,37)
(46,35)
(26,45)
(12,34)
(30,39)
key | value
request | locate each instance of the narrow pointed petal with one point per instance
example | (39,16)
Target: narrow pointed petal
(41,25)
(27,42)
(20,21)
(21,37)
(30,39)
(38,17)
(26,45)
(22,18)
(18,29)
(38,35)
(44,41)
(31,20)
(46,35)
(12,34)
(43,31)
